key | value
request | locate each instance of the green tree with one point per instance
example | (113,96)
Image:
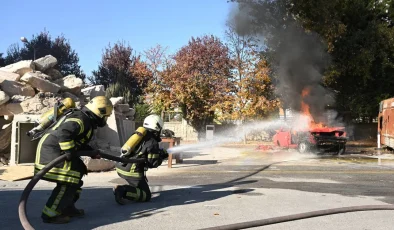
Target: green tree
(2,60)
(122,72)
(361,46)
(42,44)
(119,90)
(141,111)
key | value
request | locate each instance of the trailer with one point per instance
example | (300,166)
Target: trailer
(385,136)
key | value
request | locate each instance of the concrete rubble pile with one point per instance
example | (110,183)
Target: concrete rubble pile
(33,87)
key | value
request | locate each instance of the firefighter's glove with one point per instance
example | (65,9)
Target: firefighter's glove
(97,155)
(163,154)
(70,155)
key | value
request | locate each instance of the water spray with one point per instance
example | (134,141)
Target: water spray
(237,134)
(233,135)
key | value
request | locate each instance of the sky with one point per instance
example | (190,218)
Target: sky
(91,25)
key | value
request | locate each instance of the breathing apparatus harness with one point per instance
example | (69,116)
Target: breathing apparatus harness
(49,118)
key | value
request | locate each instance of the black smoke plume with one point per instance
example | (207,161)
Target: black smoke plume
(299,57)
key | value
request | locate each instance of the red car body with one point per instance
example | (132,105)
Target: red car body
(327,139)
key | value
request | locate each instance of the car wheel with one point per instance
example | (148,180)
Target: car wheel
(303,147)
(341,150)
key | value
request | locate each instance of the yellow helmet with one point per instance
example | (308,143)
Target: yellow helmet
(101,106)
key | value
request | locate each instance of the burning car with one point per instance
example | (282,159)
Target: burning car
(326,139)
(312,136)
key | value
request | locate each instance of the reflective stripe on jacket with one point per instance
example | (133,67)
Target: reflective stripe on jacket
(71,133)
(148,149)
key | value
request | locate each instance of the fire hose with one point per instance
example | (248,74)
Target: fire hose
(305,215)
(26,192)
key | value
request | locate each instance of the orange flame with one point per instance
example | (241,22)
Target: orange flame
(305,111)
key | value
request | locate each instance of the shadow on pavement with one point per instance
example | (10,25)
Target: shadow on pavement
(191,154)
(199,162)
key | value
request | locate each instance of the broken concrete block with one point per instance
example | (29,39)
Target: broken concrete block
(5,137)
(20,68)
(54,74)
(14,108)
(116,100)
(36,105)
(9,76)
(94,91)
(129,113)
(98,165)
(17,88)
(45,63)
(3,97)
(17,99)
(4,111)
(38,74)
(70,84)
(40,83)
(122,108)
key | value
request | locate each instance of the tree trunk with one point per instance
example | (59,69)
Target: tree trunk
(244,132)
(162,114)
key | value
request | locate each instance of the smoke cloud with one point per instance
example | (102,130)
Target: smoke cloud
(300,57)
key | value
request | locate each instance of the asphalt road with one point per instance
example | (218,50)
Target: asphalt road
(249,186)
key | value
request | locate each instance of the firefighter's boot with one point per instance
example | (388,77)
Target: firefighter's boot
(61,219)
(72,211)
(119,192)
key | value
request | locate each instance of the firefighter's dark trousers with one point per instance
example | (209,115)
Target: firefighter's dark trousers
(63,196)
(137,190)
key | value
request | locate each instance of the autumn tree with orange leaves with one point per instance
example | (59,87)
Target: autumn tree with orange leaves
(157,91)
(254,97)
(200,80)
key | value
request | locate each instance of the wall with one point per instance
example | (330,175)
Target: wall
(182,129)
(362,131)
(118,130)
(109,132)
(23,150)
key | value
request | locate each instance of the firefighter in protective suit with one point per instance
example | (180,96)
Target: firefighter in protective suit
(71,133)
(134,173)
